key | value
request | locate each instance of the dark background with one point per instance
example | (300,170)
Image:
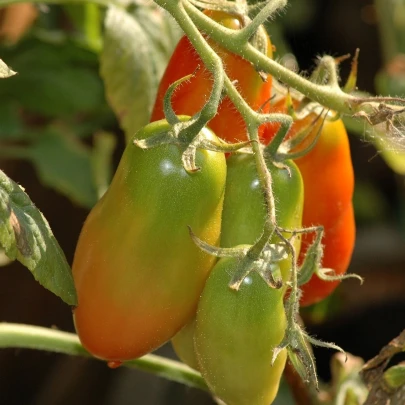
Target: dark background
(361,320)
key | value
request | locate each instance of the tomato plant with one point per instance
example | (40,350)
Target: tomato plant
(190,97)
(138,274)
(328,177)
(235,334)
(243,218)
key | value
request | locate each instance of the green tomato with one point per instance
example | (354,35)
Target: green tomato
(137,272)
(235,334)
(183,345)
(244,209)
(243,219)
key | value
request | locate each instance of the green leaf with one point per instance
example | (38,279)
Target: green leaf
(58,92)
(5,71)
(136,50)
(11,127)
(62,81)
(26,236)
(64,163)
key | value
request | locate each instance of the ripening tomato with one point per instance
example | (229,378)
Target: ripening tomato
(235,334)
(243,220)
(329,183)
(190,97)
(137,272)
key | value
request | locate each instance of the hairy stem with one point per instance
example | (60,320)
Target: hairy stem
(39,338)
(330,97)
(210,59)
(269,9)
(253,121)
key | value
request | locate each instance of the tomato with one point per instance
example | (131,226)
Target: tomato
(190,97)
(235,334)
(183,345)
(137,272)
(338,248)
(244,209)
(243,220)
(329,183)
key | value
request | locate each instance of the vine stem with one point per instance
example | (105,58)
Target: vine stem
(235,42)
(40,338)
(209,57)
(253,121)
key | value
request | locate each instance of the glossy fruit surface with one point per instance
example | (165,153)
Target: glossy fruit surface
(137,272)
(329,183)
(190,97)
(244,209)
(243,220)
(235,334)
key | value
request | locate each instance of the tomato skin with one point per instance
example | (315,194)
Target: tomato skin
(329,184)
(137,272)
(243,219)
(183,345)
(190,97)
(235,334)
(338,250)
(244,207)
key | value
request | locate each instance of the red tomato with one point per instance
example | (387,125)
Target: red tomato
(138,274)
(190,97)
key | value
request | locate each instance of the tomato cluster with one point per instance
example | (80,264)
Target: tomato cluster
(142,281)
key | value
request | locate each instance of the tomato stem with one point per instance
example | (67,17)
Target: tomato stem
(330,96)
(253,121)
(210,59)
(40,338)
(245,34)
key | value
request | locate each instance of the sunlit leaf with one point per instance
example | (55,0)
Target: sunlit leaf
(25,235)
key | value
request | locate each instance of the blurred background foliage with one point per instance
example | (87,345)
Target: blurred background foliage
(61,140)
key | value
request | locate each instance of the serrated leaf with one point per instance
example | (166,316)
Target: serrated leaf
(26,236)
(64,163)
(136,50)
(5,71)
